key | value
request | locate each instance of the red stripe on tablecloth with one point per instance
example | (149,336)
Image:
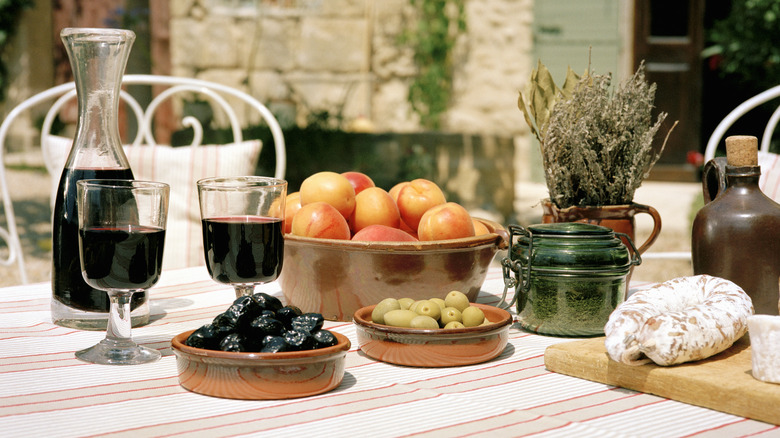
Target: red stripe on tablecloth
(590,405)
(303,410)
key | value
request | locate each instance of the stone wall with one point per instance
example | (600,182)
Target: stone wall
(343,57)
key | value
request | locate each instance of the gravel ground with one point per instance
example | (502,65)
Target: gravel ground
(30,194)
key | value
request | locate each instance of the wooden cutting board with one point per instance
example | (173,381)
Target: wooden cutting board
(723,382)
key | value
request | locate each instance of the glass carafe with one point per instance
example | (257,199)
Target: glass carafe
(98,58)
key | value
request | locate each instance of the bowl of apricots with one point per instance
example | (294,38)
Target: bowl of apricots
(349,244)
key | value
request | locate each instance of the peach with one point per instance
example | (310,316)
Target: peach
(416,198)
(293,204)
(331,187)
(320,219)
(397,188)
(383,233)
(360,181)
(479,227)
(374,206)
(445,221)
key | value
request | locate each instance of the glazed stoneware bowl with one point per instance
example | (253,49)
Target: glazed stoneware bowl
(338,277)
(259,376)
(432,347)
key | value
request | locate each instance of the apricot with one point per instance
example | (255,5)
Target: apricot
(320,219)
(479,227)
(446,221)
(293,204)
(383,233)
(359,180)
(330,187)
(417,197)
(374,206)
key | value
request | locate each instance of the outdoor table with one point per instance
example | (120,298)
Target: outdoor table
(45,391)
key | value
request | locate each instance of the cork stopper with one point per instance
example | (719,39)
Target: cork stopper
(742,150)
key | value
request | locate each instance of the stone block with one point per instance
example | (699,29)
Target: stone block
(335,45)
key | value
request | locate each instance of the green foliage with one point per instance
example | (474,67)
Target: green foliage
(437,27)
(746,41)
(10,15)
(597,145)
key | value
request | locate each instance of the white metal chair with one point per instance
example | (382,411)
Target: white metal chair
(217,94)
(739,111)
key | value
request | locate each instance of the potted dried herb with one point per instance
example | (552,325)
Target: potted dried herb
(596,144)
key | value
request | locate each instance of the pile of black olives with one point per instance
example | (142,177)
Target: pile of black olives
(260,323)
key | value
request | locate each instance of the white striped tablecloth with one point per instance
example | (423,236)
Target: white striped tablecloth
(46,392)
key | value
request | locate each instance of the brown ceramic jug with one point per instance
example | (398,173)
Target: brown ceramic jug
(736,235)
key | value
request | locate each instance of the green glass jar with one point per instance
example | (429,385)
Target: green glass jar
(568,277)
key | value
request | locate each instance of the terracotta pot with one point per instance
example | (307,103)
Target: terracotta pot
(619,218)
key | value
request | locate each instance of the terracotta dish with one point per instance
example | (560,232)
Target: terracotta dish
(260,376)
(434,348)
(337,277)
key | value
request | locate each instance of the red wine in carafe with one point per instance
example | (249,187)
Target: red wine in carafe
(68,283)
(127,258)
(243,249)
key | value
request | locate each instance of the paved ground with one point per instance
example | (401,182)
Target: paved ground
(30,193)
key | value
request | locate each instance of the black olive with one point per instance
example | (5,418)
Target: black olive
(245,309)
(275,344)
(286,315)
(204,337)
(308,322)
(268,312)
(263,326)
(232,342)
(224,324)
(324,338)
(299,340)
(267,301)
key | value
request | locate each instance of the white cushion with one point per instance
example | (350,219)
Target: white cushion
(770,174)
(181,168)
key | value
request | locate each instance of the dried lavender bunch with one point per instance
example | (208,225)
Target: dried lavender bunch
(597,147)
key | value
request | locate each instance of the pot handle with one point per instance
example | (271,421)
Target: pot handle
(646,209)
(713,178)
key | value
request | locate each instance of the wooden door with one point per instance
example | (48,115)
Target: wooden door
(668,36)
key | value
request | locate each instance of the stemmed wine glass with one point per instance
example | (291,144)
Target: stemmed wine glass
(121,239)
(242,221)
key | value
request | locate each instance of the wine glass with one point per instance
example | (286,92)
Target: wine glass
(121,239)
(242,221)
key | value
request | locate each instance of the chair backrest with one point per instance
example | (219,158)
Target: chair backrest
(219,96)
(739,111)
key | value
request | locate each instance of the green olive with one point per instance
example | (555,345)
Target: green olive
(384,306)
(405,303)
(428,308)
(399,318)
(423,322)
(486,322)
(438,301)
(473,316)
(454,325)
(450,314)
(456,299)
(413,306)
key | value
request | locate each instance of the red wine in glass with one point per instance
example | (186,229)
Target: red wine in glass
(243,249)
(128,258)
(68,284)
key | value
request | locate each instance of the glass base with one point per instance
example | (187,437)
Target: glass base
(118,352)
(65,316)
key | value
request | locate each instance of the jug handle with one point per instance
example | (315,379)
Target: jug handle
(646,209)
(713,178)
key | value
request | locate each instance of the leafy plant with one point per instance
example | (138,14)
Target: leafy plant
(10,16)
(437,27)
(597,145)
(745,42)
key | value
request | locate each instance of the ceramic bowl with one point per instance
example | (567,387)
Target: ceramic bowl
(259,376)
(431,347)
(337,277)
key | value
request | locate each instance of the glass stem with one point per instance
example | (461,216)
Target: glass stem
(119,326)
(244,289)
